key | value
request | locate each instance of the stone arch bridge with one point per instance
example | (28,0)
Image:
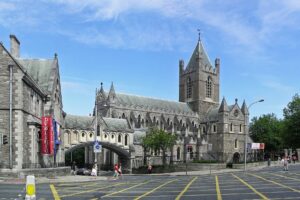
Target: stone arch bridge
(115,136)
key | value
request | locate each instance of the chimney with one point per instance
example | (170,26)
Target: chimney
(14,46)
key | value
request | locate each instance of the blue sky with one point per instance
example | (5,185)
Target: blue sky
(137,45)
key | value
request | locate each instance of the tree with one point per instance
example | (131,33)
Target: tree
(267,129)
(159,140)
(291,114)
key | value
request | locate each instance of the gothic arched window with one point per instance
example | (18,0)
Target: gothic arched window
(208,87)
(189,88)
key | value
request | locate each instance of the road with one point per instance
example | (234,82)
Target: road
(268,183)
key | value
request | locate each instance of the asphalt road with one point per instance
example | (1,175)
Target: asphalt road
(269,183)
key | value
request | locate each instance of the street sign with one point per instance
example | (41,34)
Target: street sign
(97,147)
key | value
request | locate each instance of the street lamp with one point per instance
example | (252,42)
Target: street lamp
(246,133)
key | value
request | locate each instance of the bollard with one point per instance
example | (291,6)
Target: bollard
(30,188)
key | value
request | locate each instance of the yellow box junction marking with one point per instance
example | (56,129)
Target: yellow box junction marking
(87,191)
(54,192)
(252,188)
(219,196)
(155,189)
(126,189)
(296,179)
(186,188)
(285,186)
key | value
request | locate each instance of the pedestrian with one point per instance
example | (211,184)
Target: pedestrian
(120,171)
(116,171)
(73,168)
(294,158)
(149,169)
(269,162)
(285,164)
(94,171)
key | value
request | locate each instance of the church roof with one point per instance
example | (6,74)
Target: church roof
(40,70)
(117,125)
(199,52)
(87,123)
(79,122)
(153,104)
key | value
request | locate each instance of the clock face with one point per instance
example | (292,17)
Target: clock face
(236,113)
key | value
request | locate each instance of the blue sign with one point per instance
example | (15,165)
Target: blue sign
(97,147)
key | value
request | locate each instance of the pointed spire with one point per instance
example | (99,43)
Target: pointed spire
(245,108)
(223,106)
(199,57)
(101,92)
(112,93)
(101,88)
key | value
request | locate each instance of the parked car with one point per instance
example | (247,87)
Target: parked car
(83,171)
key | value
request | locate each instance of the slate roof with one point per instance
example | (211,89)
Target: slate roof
(116,125)
(79,122)
(40,70)
(153,104)
(199,50)
(86,123)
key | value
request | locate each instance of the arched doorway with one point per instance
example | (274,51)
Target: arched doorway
(236,157)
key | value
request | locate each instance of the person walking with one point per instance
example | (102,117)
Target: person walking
(116,172)
(73,168)
(285,164)
(120,171)
(149,169)
(94,171)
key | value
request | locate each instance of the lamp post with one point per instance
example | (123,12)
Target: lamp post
(95,134)
(246,133)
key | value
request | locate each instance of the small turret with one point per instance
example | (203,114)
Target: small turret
(181,66)
(112,94)
(217,65)
(223,106)
(245,109)
(101,93)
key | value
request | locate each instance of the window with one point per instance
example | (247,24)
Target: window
(189,88)
(112,136)
(214,128)
(119,139)
(203,129)
(98,130)
(178,153)
(126,140)
(235,143)
(91,135)
(208,87)
(231,127)
(241,128)
(82,134)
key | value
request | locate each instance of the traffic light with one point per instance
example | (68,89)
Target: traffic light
(5,139)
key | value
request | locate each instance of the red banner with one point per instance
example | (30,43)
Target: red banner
(47,136)
(262,146)
(44,133)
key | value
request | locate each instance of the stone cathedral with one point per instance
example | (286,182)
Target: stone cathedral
(205,127)
(30,93)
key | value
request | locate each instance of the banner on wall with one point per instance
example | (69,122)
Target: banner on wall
(257,146)
(48,135)
(44,135)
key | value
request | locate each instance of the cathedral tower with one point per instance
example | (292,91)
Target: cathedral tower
(199,81)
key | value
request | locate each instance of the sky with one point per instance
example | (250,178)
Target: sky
(136,44)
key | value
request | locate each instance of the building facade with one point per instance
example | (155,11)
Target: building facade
(205,127)
(29,89)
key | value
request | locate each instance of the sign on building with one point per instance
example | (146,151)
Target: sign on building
(97,147)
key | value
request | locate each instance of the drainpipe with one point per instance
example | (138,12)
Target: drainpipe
(10,116)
